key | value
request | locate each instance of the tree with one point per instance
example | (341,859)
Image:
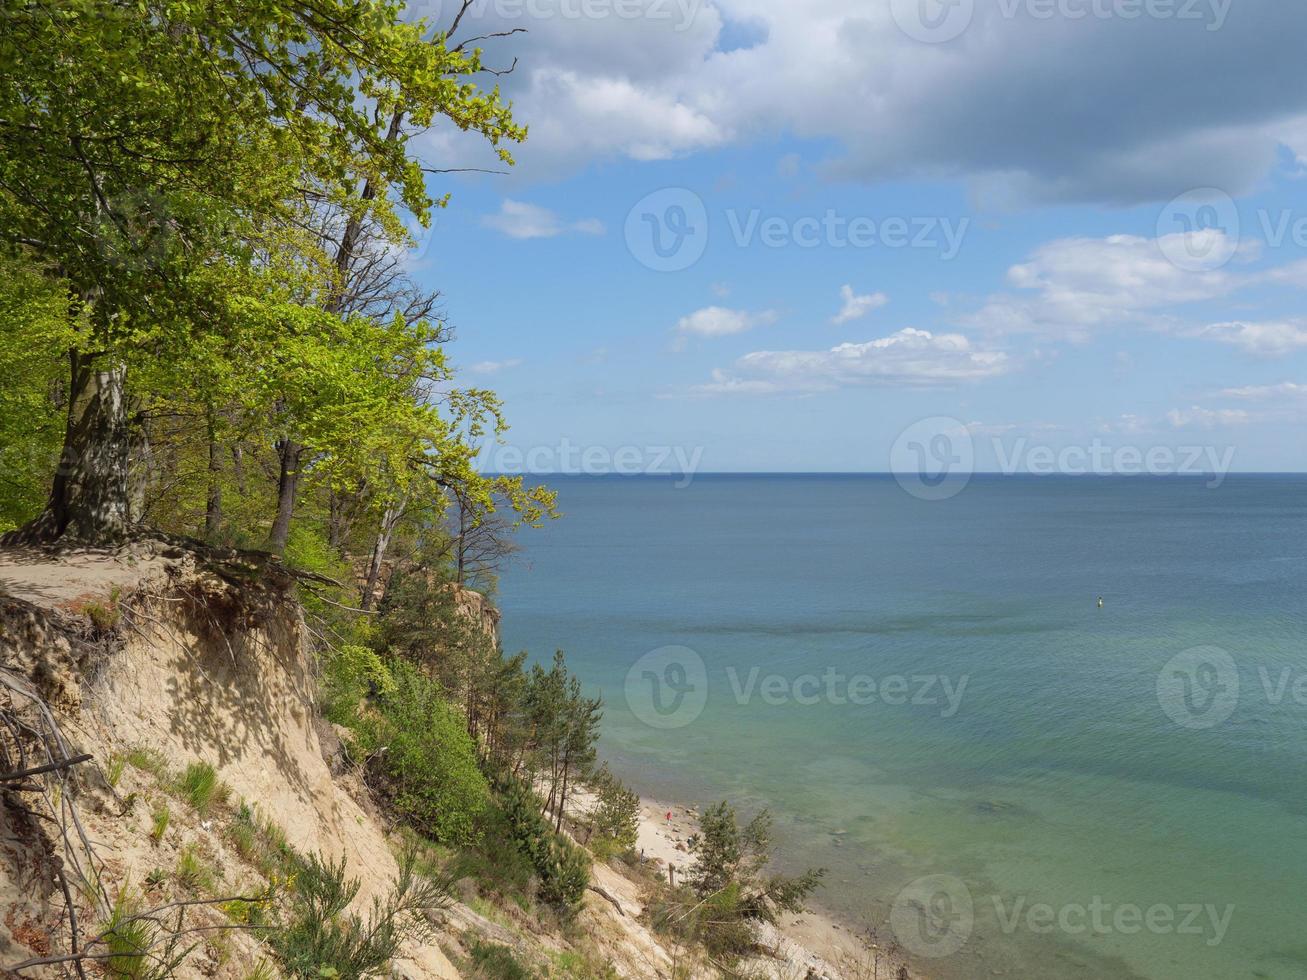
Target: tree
(181,148)
(730,859)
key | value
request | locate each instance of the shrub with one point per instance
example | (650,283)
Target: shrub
(201,787)
(427,760)
(320,939)
(104,617)
(562,867)
(491,961)
(261,842)
(351,673)
(139,946)
(192,872)
(616,816)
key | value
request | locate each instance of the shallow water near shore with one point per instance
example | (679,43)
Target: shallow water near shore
(926,688)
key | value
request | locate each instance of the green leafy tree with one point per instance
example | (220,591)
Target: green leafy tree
(427,763)
(182,148)
(733,859)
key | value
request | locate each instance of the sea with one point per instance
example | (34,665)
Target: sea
(1046,727)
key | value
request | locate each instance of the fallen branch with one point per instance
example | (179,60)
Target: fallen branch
(48,767)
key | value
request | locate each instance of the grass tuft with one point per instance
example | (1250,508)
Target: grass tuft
(201,787)
(159,819)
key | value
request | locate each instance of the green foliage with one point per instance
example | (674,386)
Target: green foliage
(159,819)
(491,961)
(38,330)
(104,616)
(321,939)
(727,889)
(424,757)
(200,786)
(263,970)
(193,872)
(148,760)
(616,816)
(113,771)
(351,673)
(262,843)
(139,945)
(563,868)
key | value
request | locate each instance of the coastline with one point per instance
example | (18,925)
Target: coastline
(815,941)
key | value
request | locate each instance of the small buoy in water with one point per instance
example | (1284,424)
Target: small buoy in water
(1100,602)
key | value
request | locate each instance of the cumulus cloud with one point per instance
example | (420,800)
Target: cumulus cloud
(1206,418)
(857,306)
(1027,108)
(1265,339)
(909,357)
(1072,286)
(1283,390)
(517,219)
(718,321)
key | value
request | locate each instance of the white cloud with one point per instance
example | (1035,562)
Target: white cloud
(1075,285)
(857,306)
(1206,418)
(1265,339)
(493,367)
(909,357)
(517,219)
(718,321)
(661,83)
(1283,390)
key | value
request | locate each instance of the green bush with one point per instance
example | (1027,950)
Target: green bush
(319,939)
(491,961)
(616,817)
(562,867)
(427,760)
(352,672)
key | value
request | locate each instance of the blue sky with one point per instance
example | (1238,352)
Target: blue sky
(1053,223)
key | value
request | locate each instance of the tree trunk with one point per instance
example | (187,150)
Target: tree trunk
(213,503)
(388,521)
(287,488)
(88,499)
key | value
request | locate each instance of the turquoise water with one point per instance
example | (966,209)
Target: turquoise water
(1060,774)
